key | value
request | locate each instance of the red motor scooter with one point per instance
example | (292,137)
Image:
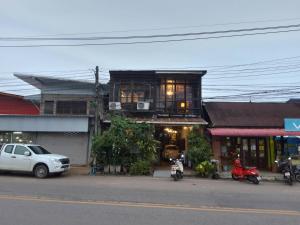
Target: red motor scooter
(239,172)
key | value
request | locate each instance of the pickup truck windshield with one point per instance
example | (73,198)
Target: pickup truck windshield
(39,150)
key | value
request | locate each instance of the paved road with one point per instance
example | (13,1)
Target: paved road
(144,200)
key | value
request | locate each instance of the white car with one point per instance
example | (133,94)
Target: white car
(32,158)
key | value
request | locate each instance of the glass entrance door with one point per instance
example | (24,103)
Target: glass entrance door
(262,159)
(253,152)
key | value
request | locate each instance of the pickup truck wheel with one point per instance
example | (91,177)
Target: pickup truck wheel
(41,171)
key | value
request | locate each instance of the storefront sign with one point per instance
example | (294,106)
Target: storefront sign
(292,124)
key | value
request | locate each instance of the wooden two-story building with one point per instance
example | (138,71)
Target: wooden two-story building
(170,99)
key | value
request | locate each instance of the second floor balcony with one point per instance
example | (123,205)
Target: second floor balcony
(164,94)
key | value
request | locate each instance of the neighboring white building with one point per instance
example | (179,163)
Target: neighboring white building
(66,120)
(66,135)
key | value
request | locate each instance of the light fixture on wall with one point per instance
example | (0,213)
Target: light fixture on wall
(170,130)
(170,91)
(170,87)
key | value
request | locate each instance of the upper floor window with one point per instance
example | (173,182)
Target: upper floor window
(176,96)
(49,107)
(132,93)
(71,107)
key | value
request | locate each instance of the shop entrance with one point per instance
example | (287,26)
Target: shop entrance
(254,152)
(173,142)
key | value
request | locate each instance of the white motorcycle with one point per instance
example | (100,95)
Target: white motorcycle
(177,168)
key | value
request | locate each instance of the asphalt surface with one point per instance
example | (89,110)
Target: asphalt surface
(25,200)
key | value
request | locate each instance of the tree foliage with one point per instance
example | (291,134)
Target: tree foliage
(125,142)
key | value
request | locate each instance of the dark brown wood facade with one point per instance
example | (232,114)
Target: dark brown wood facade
(170,93)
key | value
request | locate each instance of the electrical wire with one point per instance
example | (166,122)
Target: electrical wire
(151,36)
(170,28)
(146,42)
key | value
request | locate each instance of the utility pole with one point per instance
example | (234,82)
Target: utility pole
(98,110)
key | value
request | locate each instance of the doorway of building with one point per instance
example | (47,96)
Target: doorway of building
(254,152)
(173,142)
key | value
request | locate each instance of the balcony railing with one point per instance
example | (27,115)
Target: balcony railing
(170,107)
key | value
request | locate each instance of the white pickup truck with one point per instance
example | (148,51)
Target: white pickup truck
(32,158)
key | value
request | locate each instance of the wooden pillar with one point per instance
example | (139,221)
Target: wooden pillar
(216,147)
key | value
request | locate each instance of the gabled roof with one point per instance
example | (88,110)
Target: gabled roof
(247,114)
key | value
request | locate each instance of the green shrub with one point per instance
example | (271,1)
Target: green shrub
(204,169)
(140,167)
(125,142)
(199,150)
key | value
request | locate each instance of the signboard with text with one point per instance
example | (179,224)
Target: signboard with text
(292,124)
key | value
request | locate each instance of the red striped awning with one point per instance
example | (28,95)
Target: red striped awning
(251,132)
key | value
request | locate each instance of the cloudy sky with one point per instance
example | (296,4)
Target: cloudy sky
(257,67)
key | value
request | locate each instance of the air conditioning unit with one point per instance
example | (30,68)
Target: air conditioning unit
(143,105)
(114,105)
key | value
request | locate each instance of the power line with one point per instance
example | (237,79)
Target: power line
(151,36)
(253,75)
(169,28)
(269,61)
(146,42)
(255,69)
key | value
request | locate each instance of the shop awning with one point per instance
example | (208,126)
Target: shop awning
(251,132)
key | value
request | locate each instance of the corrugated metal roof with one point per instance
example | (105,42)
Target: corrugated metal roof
(16,105)
(56,85)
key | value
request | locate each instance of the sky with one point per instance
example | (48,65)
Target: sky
(246,68)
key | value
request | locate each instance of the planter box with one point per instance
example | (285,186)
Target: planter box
(118,168)
(106,169)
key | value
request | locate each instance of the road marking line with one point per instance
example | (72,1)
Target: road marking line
(152,205)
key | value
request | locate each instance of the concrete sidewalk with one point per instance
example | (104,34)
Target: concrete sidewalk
(165,172)
(79,170)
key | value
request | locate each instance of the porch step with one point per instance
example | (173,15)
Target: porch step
(166,173)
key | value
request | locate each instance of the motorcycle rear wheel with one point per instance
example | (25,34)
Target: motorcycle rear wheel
(289,180)
(297,177)
(176,176)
